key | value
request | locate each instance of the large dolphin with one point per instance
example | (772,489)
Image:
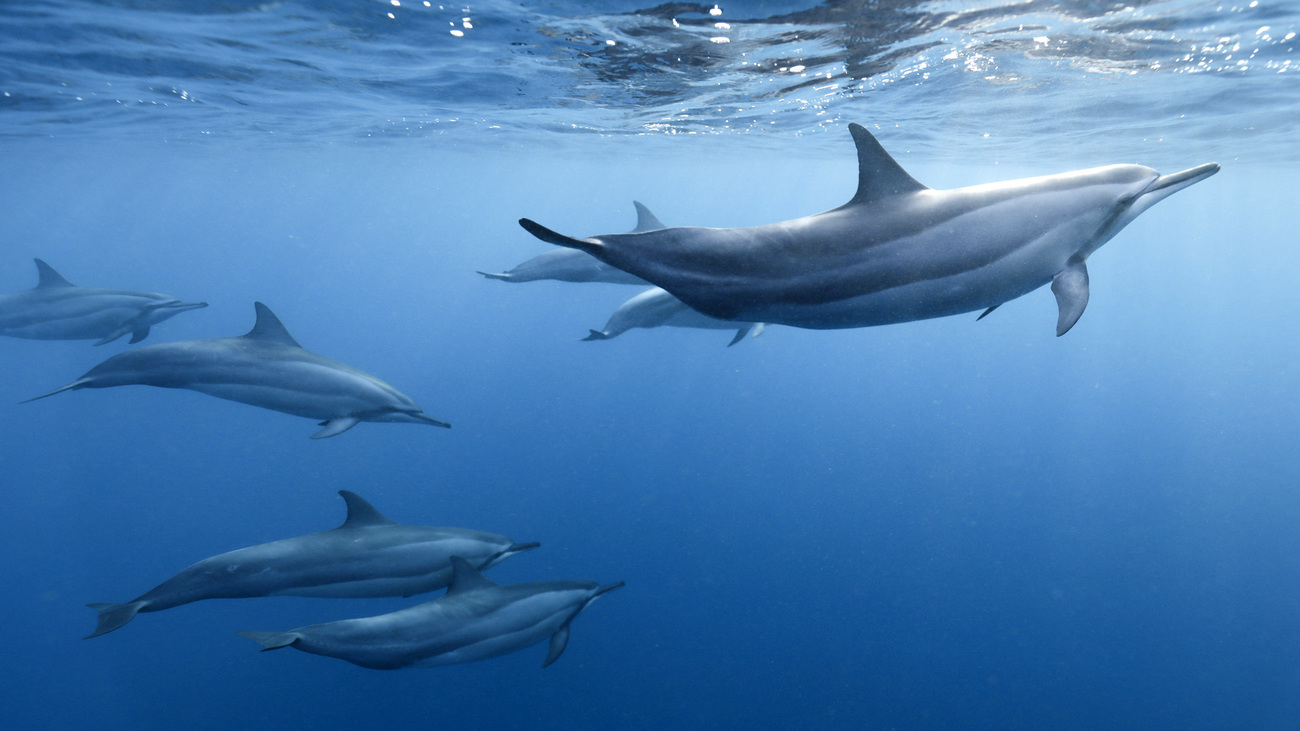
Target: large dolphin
(56,309)
(476,619)
(368,556)
(655,307)
(266,368)
(898,251)
(571,265)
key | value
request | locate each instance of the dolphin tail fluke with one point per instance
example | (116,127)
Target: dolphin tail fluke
(591,246)
(1070,286)
(597,335)
(79,383)
(112,616)
(503,276)
(270,640)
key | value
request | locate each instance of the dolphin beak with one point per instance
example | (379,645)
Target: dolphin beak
(421,416)
(183,306)
(500,556)
(1175,182)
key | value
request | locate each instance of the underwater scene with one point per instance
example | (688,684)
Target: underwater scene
(353,349)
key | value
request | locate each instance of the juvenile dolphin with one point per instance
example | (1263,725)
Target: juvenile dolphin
(656,308)
(368,556)
(571,265)
(476,619)
(897,251)
(56,309)
(266,368)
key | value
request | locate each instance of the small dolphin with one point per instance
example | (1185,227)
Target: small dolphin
(265,368)
(57,309)
(476,619)
(656,308)
(571,265)
(368,556)
(897,251)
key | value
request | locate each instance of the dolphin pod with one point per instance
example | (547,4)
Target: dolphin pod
(56,309)
(265,367)
(367,556)
(898,251)
(475,620)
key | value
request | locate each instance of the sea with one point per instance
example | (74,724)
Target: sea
(943,524)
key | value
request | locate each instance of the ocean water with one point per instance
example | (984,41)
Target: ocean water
(945,524)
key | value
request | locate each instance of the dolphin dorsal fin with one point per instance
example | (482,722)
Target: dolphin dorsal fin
(464,577)
(48,277)
(360,512)
(645,220)
(269,328)
(879,174)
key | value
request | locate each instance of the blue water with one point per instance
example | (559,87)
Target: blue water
(936,525)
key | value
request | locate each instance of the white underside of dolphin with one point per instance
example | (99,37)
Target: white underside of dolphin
(655,307)
(56,309)
(476,619)
(368,556)
(265,368)
(898,251)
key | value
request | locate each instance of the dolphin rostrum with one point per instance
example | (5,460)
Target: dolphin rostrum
(56,309)
(571,265)
(656,308)
(476,619)
(897,251)
(368,556)
(265,368)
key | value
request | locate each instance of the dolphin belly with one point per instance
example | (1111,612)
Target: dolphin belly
(1000,281)
(317,399)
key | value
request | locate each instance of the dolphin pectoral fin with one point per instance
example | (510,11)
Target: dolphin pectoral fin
(759,327)
(986,312)
(597,335)
(140,334)
(591,246)
(334,427)
(112,616)
(1070,286)
(740,334)
(270,640)
(559,641)
(112,336)
(79,383)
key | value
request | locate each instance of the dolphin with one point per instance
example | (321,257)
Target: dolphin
(897,251)
(476,619)
(368,556)
(571,265)
(56,309)
(656,308)
(266,368)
